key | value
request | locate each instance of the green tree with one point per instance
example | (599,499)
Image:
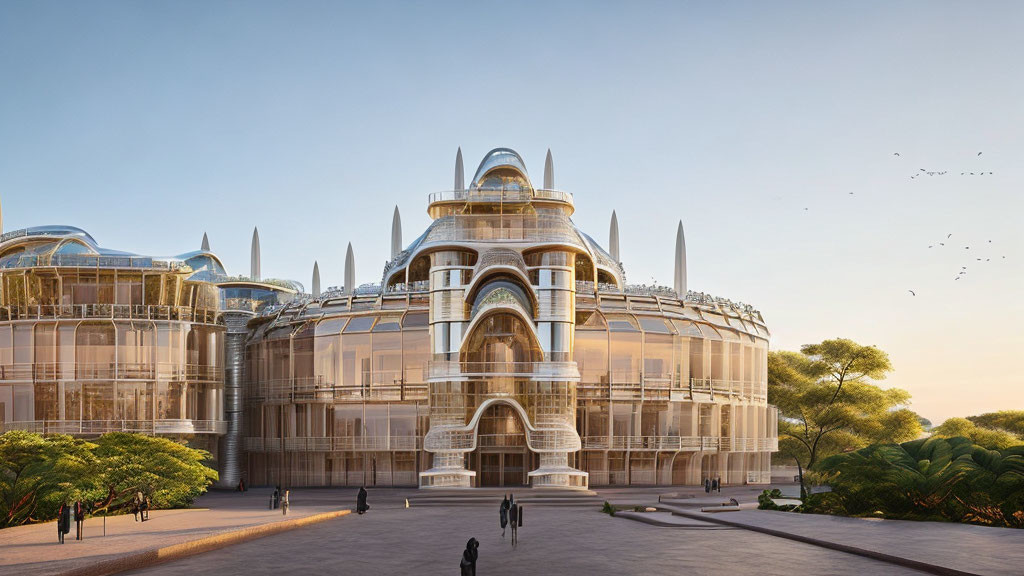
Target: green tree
(37,474)
(827,403)
(1011,421)
(170,473)
(987,437)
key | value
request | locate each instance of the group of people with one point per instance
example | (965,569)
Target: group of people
(68,513)
(510,512)
(712,485)
(280,499)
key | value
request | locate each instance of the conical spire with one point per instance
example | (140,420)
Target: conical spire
(549,172)
(254,267)
(680,273)
(350,270)
(460,173)
(613,238)
(206,243)
(396,233)
(316,279)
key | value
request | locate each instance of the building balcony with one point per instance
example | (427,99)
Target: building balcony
(443,371)
(680,443)
(335,444)
(106,371)
(316,389)
(96,427)
(108,312)
(507,196)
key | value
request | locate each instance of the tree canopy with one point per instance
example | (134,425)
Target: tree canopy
(987,437)
(828,404)
(1011,421)
(39,473)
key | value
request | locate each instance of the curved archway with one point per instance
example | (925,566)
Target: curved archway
(502,457)
(501,337)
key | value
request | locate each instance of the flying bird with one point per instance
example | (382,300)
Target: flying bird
(979,153)
(911,292)
(895,153)
(948,235)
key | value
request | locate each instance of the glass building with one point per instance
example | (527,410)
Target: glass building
(501,347)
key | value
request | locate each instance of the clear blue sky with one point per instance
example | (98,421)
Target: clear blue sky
(148,123)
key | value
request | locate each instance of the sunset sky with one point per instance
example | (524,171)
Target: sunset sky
(770,129)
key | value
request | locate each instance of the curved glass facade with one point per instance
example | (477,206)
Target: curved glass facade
(502,347)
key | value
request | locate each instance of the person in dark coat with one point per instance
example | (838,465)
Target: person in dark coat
(79,508)
(361,505)
(63,521)
(707,486)
(513,517)
(469,556)
(718,484)
(503,515)
(714,484)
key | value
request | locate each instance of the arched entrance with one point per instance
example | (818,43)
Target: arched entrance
(501,457)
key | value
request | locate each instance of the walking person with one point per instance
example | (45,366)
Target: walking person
(285,502)
(467,566)
(513,518)
(707,486)
(503,514)
(137,502)
(361,505)
(273,499)
(79,509)
(718,482)
(145,508)
(714,484)
(63,521)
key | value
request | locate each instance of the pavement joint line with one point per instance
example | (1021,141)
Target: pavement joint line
(152,557)
(897,560)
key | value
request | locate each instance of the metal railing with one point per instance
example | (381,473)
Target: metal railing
(110,311)
(91,427)
(510,196)
(334,444)
(441,369)
(94,261)
(165,371)
(680,443)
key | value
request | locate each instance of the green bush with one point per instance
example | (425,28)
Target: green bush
(764,500)
(608,509)
(936,478)
(39,473)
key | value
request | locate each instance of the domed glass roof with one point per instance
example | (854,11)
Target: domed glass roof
(501,168)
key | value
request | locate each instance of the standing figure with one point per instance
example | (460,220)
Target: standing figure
(63,521)
(146,504)
(79,520)
(273,499)
(718,484)
(707,485)
(285,502)
(513,517)
(503,515)
(468,564)
(361,505)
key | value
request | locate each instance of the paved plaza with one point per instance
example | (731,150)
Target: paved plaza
(577,539)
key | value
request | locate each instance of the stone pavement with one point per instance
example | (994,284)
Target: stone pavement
(965,548)
(34,551)
(391,539)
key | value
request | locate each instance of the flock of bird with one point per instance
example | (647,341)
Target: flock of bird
(962,272)
(924,172)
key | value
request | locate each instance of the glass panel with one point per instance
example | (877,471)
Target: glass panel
(360,324)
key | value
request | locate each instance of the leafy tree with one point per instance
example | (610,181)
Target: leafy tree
(987,437)
(827,403)
(932,479)
(1011,421)
(37,474)
(170,473)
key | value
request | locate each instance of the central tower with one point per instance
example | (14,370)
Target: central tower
(502,260)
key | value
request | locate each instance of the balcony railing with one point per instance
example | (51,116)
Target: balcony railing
(508,196)
(377,386)
(94,261)
(109,311)
(335,444)
(680,443)
(93,427)
(164,371)
(440,370)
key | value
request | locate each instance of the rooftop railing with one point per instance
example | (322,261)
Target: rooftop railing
(110,311)
(510,196)
(94,261)
(96,427)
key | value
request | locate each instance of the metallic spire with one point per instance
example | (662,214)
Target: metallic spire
(549,172)
(680,275)
(254,268)
(460,173)
(350,270)
(613,238)
(206,243)
(316,279)
(396,233)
